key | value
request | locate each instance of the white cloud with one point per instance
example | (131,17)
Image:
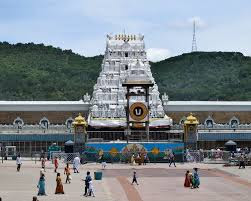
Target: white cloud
(157,54)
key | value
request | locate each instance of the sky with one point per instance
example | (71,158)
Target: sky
(82,25)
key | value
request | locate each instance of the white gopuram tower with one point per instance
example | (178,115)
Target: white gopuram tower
(125,56)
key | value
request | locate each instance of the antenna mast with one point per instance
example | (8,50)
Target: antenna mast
(194,45)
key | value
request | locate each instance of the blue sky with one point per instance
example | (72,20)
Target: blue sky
(81,25)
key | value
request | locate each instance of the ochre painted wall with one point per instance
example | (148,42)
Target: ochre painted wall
(218,117)
(35,117)
(60,117)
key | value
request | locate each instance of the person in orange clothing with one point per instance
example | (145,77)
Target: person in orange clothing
(68,173)
(59,188)
(56,164)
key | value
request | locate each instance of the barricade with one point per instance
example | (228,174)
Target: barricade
(216,156)
(65,157)
(194,156)
(208,156)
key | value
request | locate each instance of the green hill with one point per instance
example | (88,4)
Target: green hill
(38,72)
(205,76)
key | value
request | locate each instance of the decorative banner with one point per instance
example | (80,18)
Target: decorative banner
(113,152)
(138,112)
(155,151)
(133,149)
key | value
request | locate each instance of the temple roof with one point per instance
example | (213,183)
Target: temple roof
(44,106)
(193,106)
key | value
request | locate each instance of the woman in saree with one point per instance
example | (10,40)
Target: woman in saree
(59,188)
(41,185)
(196,178)
(187,182)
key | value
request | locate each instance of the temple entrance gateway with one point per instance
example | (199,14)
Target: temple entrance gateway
(137,113)
(125,75)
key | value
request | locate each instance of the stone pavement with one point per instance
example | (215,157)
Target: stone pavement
(157,182)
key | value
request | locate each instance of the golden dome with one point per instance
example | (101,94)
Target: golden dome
(79,120)
(191,120)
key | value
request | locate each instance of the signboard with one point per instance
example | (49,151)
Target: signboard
(138,112)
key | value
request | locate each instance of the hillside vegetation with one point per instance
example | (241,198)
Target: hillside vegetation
(205,76)
(38,72)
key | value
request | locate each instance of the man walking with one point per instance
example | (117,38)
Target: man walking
(134,179)
(76,164)
(172,159)
(242,161)
(43,163)
(87,180)
(18,162)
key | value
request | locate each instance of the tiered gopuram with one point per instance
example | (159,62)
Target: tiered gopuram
(125,56)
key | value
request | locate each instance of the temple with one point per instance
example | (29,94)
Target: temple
(125,57)
(32,126)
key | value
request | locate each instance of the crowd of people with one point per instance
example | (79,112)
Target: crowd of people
(59,184)
(89,189)
(192,180)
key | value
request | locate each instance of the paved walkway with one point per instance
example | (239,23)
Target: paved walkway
(157,182)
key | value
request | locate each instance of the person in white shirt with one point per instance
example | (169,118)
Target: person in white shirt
(18,162)
(103,165)
(91,189)
(76,164)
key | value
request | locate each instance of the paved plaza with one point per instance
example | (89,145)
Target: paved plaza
(157,182)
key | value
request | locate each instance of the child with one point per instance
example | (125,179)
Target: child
(91,190)
(87,179)
(67,172)
(134,178)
